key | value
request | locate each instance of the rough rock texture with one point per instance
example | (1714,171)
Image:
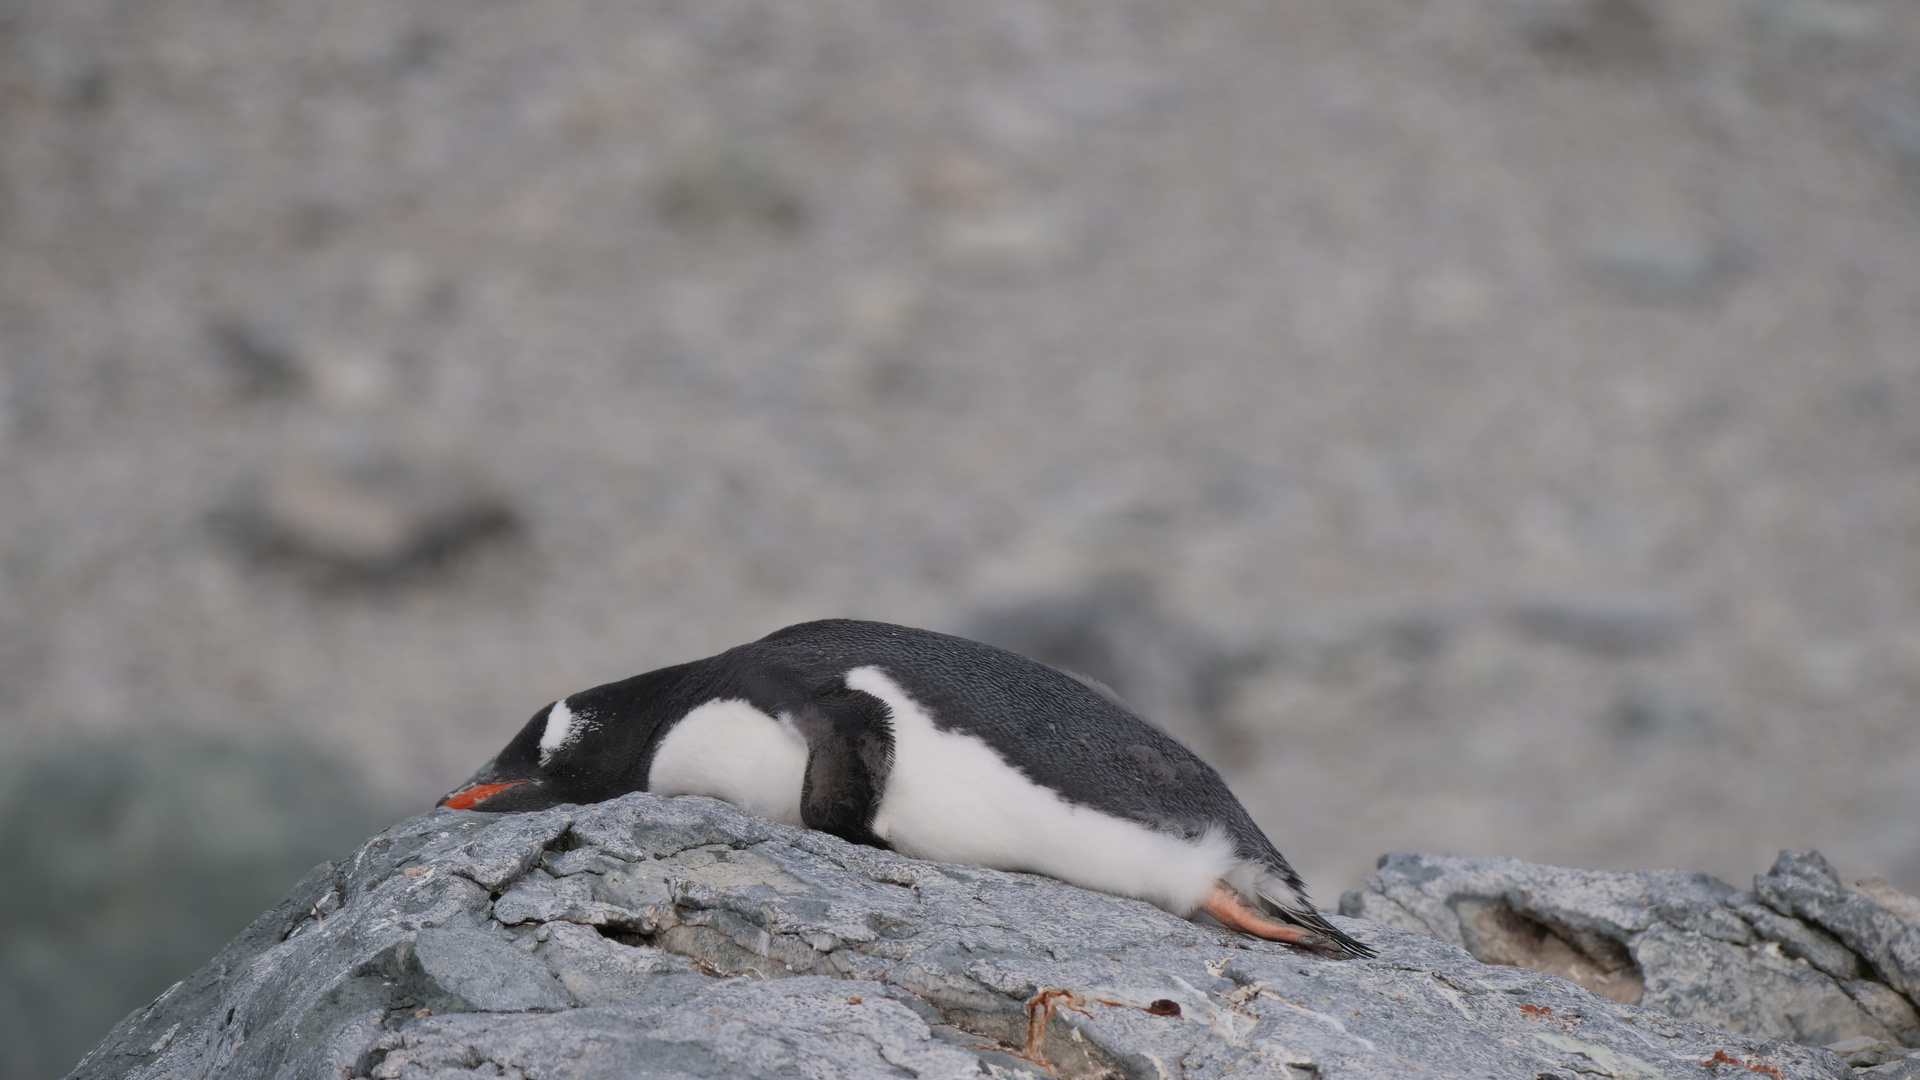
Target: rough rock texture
(681,937)
(1801,957)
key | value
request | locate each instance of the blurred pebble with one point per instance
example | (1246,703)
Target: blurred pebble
(349,378)
(1621,32)
(1892,124)
(259,363)
(373,520)
(953,179)
(1609,626)
(1877,889)
(1641,711)
(721,189)
(1865,1051)
(1654,266)
(880,312)
(1006,241)
(1818,24)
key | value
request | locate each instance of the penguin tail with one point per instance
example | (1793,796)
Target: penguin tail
(1333,941)
(1257,908)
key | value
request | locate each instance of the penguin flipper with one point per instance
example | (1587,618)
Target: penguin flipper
(849,736)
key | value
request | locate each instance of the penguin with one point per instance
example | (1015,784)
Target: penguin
(931,745)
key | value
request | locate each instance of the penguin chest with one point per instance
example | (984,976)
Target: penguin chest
(727,749)
(953,798)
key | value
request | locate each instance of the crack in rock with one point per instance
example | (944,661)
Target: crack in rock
(1802,956)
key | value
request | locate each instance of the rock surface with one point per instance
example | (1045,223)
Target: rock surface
(681,937)
(1802,956)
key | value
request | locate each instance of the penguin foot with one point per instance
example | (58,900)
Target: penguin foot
(1225,905)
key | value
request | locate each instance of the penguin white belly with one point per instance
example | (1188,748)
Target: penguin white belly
(953,798)
(733,751)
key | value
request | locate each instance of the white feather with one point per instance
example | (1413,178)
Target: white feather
(953,798)
(562,728)
(733,751)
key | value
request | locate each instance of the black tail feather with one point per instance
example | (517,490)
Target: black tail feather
(1306,917)
(1312,920)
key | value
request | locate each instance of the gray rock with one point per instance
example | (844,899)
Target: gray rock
(261,364)
(474,971)
(683,938)
(1880,891)
(1607,31)
(1865,1053)
(1797,939)
(1654,265)
(1796,25)
(1578,903)
(727,188)
(1746,989)
(1682,942)
(1907,1068)
(1803,884)
(1607,626)
(1886,1005)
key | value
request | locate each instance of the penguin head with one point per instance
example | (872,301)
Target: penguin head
(515,779)
(585,748)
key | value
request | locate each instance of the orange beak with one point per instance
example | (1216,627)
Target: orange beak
(467,797)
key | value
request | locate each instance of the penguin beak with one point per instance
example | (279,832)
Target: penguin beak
(474,794)
(480,787)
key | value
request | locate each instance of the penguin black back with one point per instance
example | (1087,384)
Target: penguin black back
(1061,731)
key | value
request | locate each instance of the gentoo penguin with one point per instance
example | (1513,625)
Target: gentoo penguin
(935,746)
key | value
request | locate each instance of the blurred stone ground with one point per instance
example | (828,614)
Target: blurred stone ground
(1480,425)
(130,861)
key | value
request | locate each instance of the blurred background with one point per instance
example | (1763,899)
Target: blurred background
(1486,426)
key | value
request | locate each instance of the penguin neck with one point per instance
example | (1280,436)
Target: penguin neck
(632,716)
(726,734)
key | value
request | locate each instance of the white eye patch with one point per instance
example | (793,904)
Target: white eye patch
(563,727)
